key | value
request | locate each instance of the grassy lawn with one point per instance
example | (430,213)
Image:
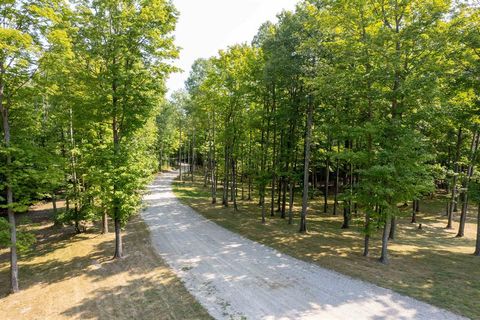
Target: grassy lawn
(429,264)
(69,276)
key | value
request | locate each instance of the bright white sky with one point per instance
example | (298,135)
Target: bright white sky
(206,26)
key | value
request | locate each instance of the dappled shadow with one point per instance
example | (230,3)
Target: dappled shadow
(138,286)
(233,276)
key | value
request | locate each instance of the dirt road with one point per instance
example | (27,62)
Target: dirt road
(235,278)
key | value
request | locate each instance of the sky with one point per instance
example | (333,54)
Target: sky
(206,26)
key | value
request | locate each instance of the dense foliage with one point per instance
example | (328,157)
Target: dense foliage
(375,102)
(81,86)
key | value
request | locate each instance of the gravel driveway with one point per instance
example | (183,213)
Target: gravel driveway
(235,278)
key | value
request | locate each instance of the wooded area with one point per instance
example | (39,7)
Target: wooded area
(81,85)
(368,105)
(375,103)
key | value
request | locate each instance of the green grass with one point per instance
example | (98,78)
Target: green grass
(429,264)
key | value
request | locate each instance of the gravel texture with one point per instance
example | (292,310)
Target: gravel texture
(235,278)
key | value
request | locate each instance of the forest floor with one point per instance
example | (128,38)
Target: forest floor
(72,276)
(431,264)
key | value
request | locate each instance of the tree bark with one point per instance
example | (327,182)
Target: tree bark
(118,239)
(314,182)
(477,243)
(225,179)
(346,216)
(160,163)
(290,201)
(347,205)
(105,222)
(263,163)
(279,193)
(466,182)
(284,197)
(8,179)
(73,160)
(180,153)
(116,152)
(193,155)
(393,228)
(337,182)
(366,242)
(327,181)
(453,201)
(386,232)
(274,154)
(234,185)
(308,135)
(213,163)
(463,216)
(414,212)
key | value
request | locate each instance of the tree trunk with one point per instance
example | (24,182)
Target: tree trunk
(366,242)
(347,205)
(290,202)
(477,243)
(13,239)
(116,152)
(193,155)
(466,182)
(160,163)
(272,196)
(188,170)
(335,195)
(346,216)
(213,163)
(453,201)
(242,176)
(463,216)
(180,153)
(118,239)
(279,193)
(105,222)
(249,167)
(274,153)
(393,228)
(386,232)
(11,215)
(205,173)
(312,195)
(73,160)
(263,162)
(225,179)
(327,181)
(234,185)
(8,179)
(284,197)
(308,134)
(414,212)
(264,210)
